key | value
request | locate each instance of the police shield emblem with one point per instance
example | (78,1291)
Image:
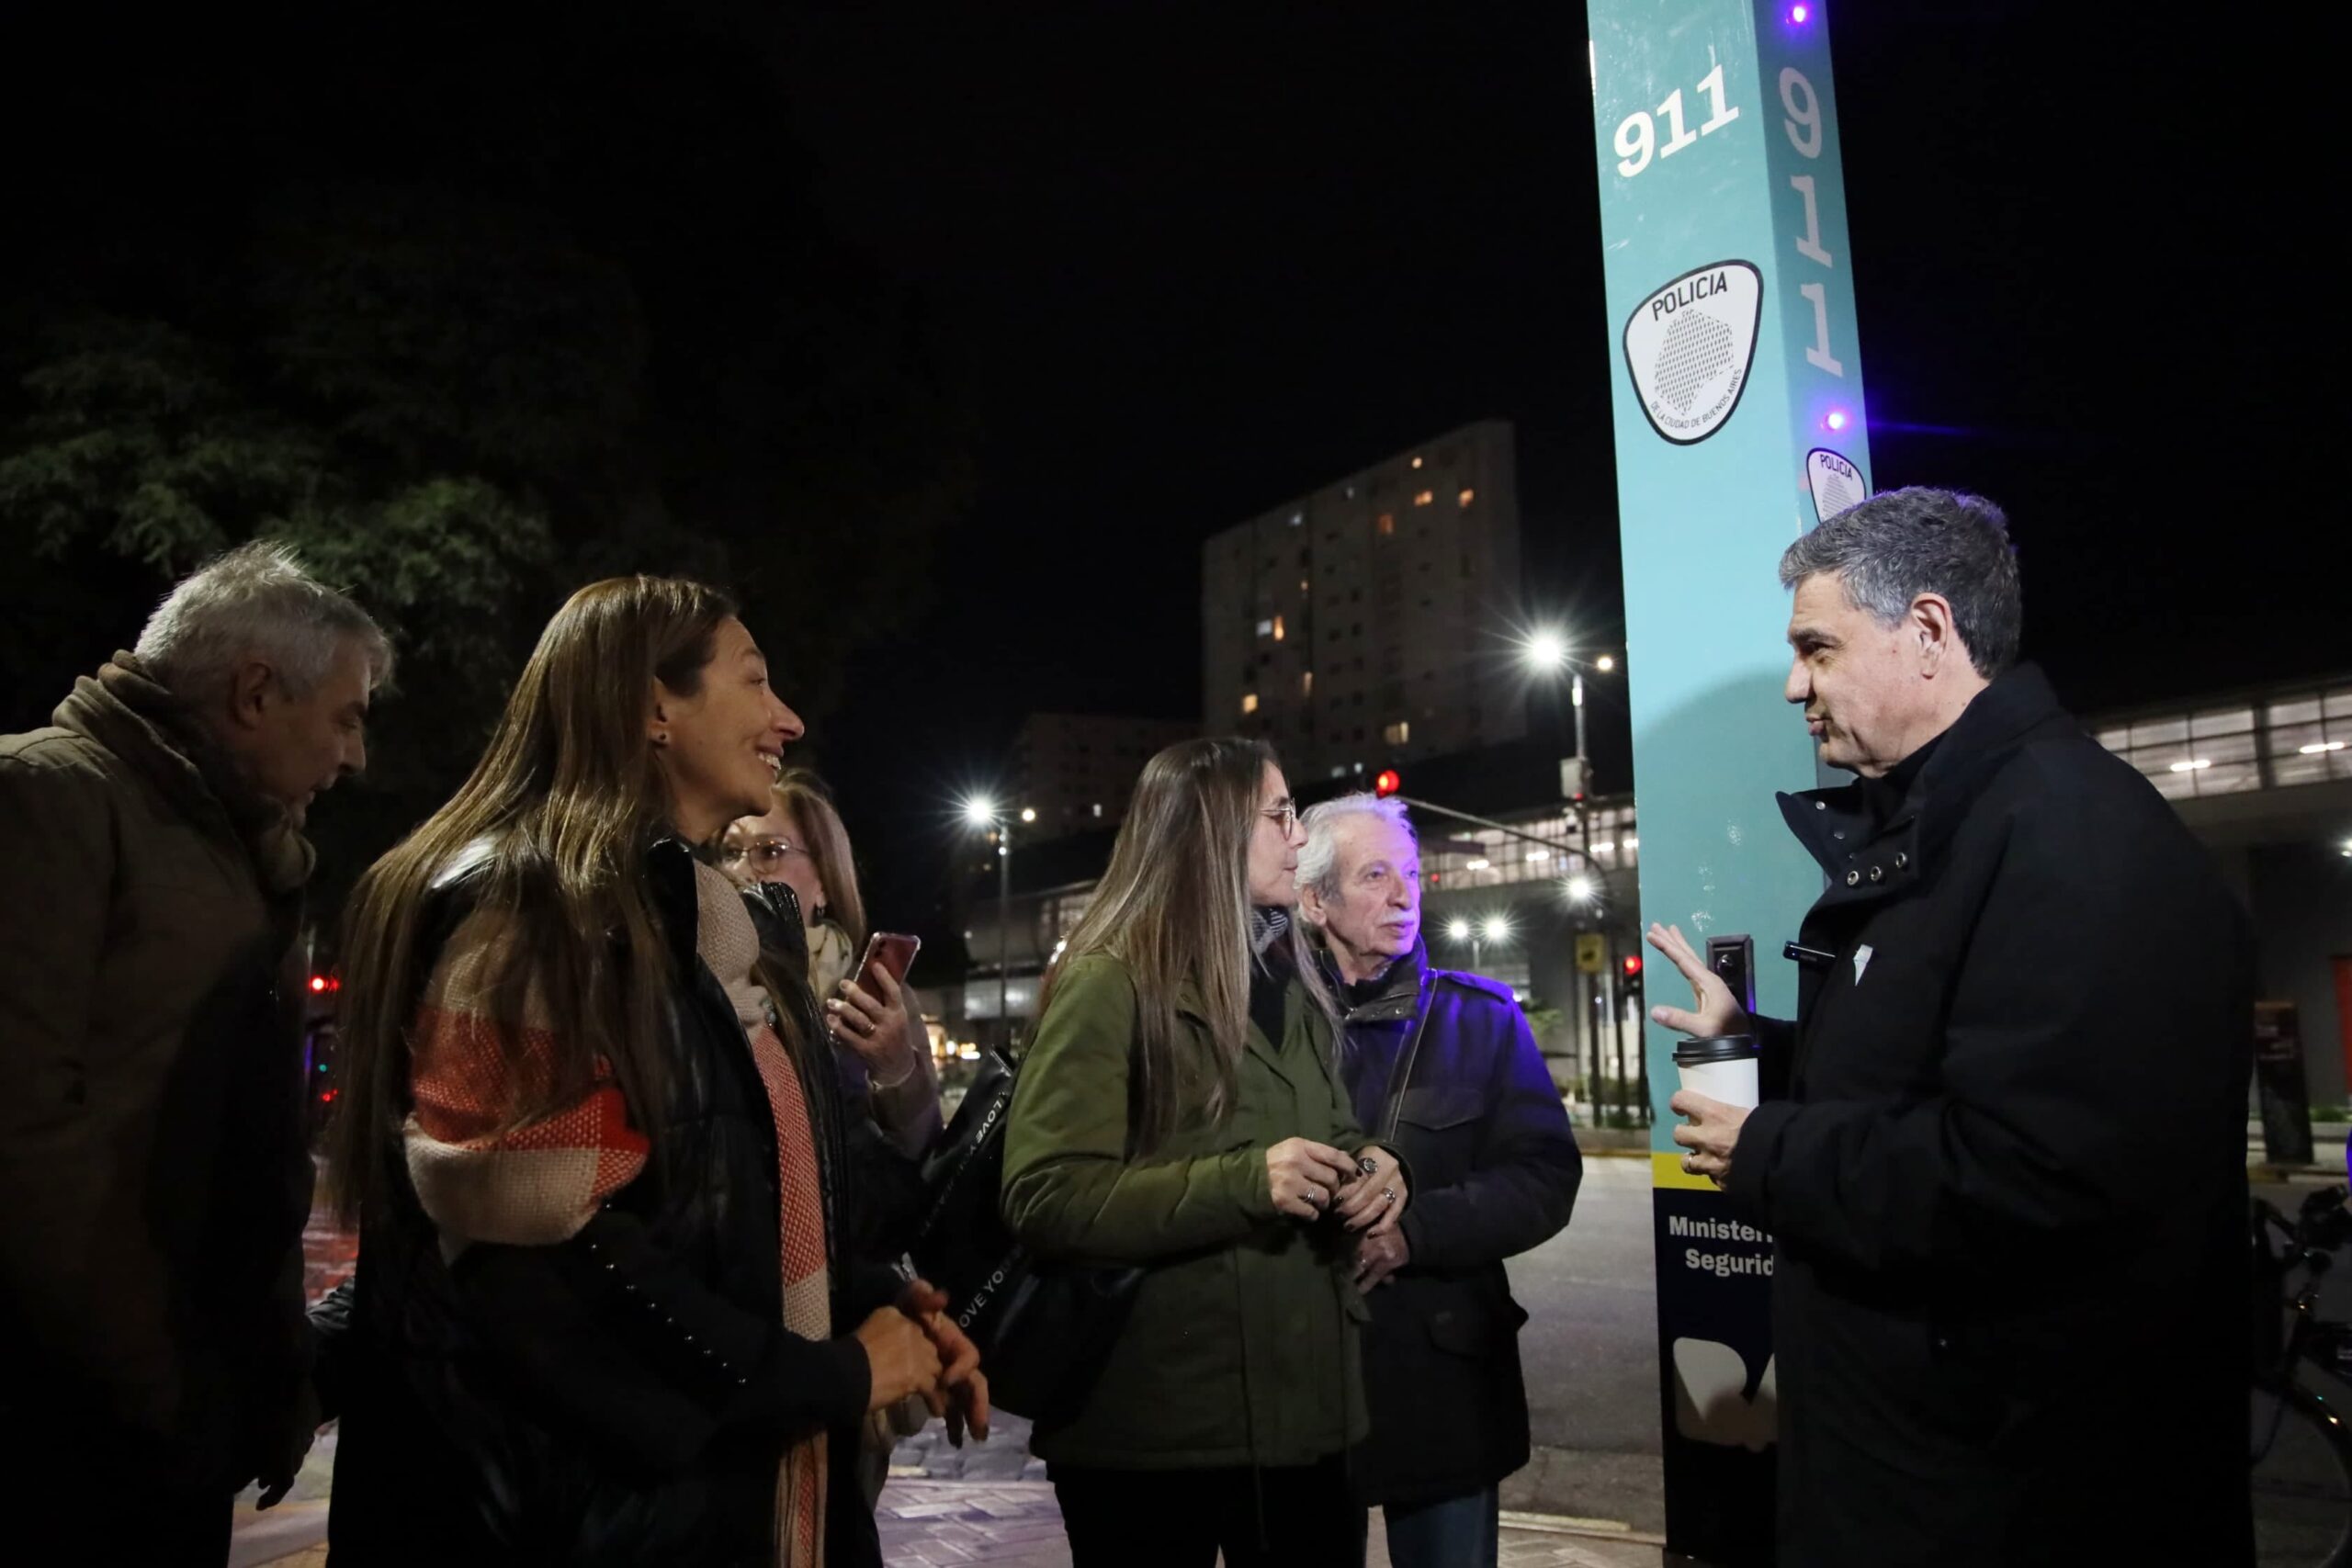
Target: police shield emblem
(1836,483)
(1689,345)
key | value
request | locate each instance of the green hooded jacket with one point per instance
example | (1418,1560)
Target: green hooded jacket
(1241,1344)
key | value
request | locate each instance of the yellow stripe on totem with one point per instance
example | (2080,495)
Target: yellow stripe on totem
(1666,1170)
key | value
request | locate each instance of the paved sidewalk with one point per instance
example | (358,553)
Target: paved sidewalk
(983,1502)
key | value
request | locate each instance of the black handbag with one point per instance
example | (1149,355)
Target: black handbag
(1044,1329)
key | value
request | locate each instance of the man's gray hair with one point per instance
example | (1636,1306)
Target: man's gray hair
(1319,863)
(256,602)
(1888,550)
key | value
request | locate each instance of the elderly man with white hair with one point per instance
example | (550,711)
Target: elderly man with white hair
(1441,1066)
(153,1174)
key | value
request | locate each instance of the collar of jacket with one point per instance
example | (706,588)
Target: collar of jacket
(1402,992)
(1865,860)
(128,712)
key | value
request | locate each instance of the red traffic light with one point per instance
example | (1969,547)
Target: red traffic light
(1387,782)
(1632,962)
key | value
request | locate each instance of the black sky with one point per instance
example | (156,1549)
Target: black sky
(1187,262)
(1201,263)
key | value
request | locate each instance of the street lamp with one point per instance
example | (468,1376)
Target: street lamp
(1580,889)
(1547,652)
(981,811)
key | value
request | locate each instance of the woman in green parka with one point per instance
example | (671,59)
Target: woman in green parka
(1180,1108)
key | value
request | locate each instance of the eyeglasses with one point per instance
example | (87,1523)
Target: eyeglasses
(1286,814)
(766,853)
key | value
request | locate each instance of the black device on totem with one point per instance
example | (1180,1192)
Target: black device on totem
(1733,960)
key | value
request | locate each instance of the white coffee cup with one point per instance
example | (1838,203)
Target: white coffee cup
(1722,1068)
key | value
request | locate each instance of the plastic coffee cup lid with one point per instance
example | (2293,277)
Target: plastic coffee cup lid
(1715,1048)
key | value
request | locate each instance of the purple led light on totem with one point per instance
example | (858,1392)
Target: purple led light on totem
(1800,14)
(1836,419)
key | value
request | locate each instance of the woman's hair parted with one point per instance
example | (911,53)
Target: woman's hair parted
(552,826)
(1174,908)
(802,793)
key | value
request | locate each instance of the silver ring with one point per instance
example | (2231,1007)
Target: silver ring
(1315,1195)
(1388,1194)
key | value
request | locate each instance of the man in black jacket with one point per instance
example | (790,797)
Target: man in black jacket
(1441,1067)
(2002,1148)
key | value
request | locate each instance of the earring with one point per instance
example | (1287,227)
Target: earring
(662,738)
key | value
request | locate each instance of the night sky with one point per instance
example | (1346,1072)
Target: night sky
(1199,267)
(1181,263)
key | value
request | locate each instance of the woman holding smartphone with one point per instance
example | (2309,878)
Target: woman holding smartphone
(1180,1110)
(882,1048)
(605,1311)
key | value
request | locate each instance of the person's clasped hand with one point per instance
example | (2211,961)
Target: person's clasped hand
(1374,1199)
(1378,1255)
(961,1394)
(1304,1176)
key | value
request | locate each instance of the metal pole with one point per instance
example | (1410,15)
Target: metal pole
(1004,923)
(1617,1014)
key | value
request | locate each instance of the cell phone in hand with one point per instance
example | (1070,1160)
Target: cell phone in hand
(887,949)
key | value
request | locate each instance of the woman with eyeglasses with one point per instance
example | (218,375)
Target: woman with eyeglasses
(878,1032)
(1180,1110)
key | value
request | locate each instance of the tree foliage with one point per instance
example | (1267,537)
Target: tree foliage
(466,369)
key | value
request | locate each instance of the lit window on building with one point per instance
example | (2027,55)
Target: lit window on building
(1249,702)
(1398,733)
(1423,498)
(1307,683)
(1265,628)
(1387,522)
(1467,496)
(1417,462)
(1278,628)
(1098,810)
(1297,518)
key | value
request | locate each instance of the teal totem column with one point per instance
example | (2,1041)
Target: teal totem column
(1739,421)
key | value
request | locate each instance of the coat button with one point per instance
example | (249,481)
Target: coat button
(1878,873)
(1852,877)
(1821,805)
(1901,860)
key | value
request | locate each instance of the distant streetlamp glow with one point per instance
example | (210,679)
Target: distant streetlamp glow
(1459,930)
(1580,889)
(981,811)
(1028,814)
(1605,663)
(1546,650)
(1497,928)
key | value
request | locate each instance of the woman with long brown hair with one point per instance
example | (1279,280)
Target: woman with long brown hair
(1180,1110)
(592,1146)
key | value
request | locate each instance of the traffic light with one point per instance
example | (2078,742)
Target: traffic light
(1387,782)
(1632,964)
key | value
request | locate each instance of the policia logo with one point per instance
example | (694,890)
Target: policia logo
(1689,345)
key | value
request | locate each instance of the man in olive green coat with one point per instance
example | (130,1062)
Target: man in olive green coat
(153,1176)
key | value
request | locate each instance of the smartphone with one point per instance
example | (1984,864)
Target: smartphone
(887,949)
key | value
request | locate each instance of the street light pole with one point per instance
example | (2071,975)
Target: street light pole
(1003,924)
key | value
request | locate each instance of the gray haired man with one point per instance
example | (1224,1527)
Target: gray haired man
(2002,1147)
(1442,1068)
(153,1176)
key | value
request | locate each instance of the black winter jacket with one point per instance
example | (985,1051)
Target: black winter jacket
(1443,1070)
(2007,1176)
(623,1397)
